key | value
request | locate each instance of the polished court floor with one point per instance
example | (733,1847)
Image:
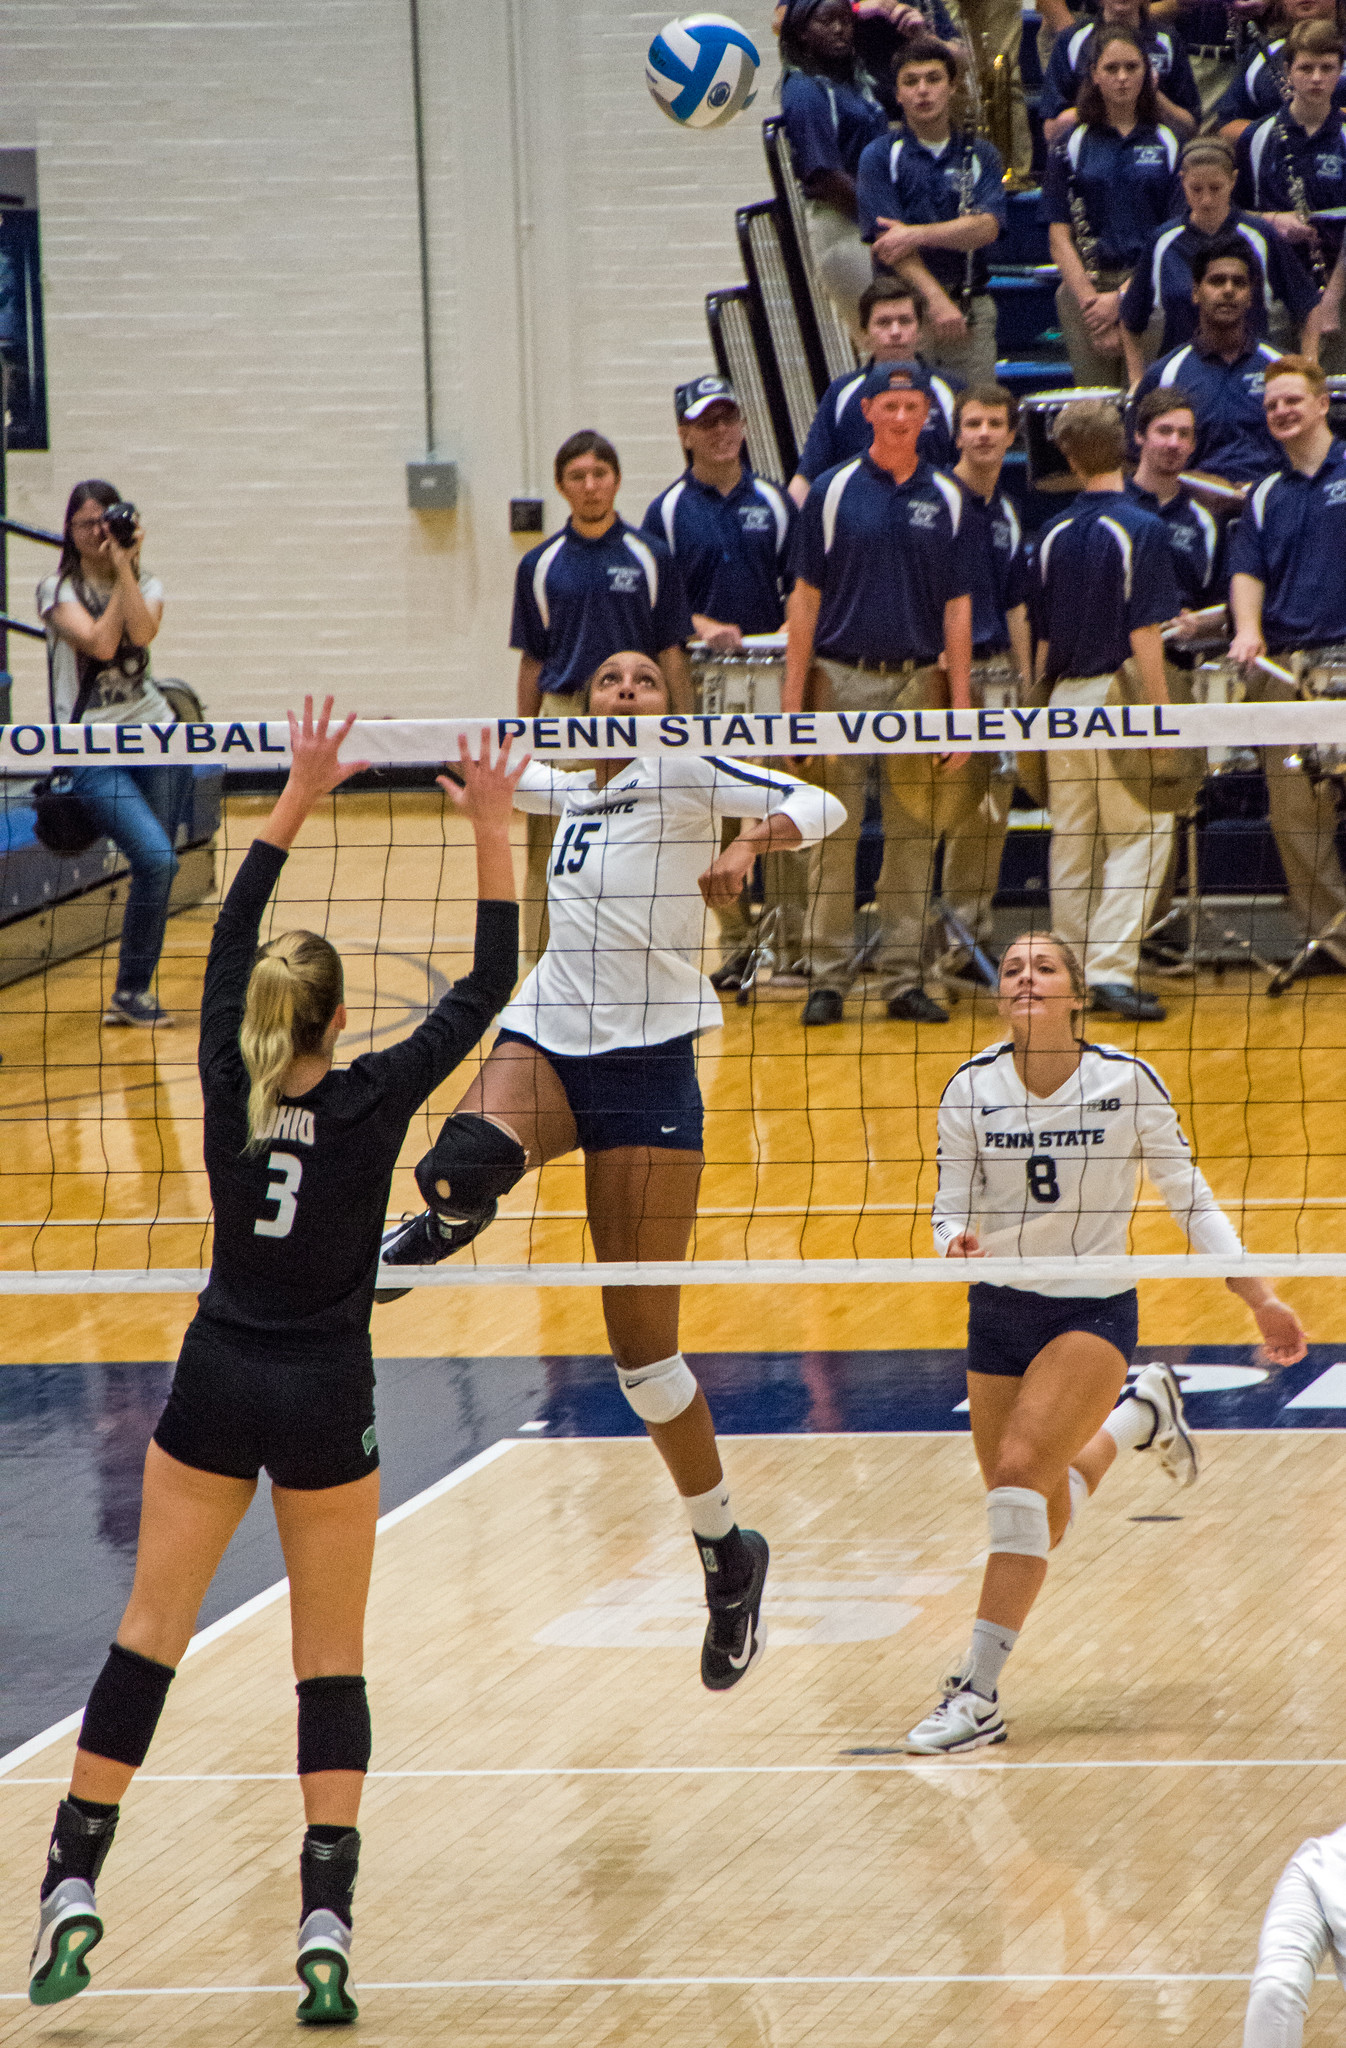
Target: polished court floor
(566,1838)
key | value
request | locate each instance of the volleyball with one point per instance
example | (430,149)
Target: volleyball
(702,70)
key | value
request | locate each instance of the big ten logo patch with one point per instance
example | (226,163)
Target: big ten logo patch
(817,1593)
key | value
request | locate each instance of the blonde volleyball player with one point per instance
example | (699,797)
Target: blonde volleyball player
(275,1368)
(1040,1140)
(1305,1923)
(596,1051)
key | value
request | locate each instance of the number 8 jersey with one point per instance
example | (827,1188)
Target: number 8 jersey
(1056,1176)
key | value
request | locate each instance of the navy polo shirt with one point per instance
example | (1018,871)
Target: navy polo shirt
(1292,537)
(1231,428)
(887,558)
(1253,91)
(1072,54)
(1320,160)
(902,179)
(1127,183)
(1195,540)
(731,549)
(828,124)
(577,601)
(841,430)
(1163,276)
(1103,570)
(997,560)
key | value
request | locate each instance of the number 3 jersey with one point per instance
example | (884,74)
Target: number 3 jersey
(1056,1176)
(624,904)
(298,1223)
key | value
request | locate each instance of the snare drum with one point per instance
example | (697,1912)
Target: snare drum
(1221,682)
(750,679)
(1048,469)
(1322,675)
(995,683)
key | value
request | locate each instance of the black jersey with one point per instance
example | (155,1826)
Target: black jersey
(298,1224)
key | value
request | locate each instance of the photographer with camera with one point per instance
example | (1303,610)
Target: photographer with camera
(101,613)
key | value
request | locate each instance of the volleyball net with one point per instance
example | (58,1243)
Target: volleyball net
(820,1143)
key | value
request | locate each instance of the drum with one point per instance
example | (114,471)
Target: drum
(995,683)
(1222,682)
(747,680)
(1336,404)
(1323,675)
(1048,469)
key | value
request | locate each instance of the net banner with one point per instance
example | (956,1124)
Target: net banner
(33,749)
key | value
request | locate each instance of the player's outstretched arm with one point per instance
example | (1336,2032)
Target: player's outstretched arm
(483,791)
(315,771)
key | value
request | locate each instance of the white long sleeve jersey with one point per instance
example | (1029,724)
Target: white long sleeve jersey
(626,915)
(1056,1176)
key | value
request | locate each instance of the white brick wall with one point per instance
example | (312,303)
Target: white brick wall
(233,314)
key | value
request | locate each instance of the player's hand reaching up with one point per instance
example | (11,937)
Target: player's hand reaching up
(314,771)
(483,790)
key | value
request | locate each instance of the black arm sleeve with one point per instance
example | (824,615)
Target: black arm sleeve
(414,1069)
(233,947)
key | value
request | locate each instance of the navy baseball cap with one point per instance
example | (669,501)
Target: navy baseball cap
(894,377)
(691,400)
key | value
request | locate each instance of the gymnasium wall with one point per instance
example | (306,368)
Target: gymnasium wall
(233,311)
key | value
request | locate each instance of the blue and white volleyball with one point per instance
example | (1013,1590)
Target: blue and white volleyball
(702,70)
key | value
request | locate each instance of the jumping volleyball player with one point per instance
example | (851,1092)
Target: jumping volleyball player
(596,1051)
(275,1368)
(1040,1139)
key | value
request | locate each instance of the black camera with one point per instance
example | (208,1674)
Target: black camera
(120,520)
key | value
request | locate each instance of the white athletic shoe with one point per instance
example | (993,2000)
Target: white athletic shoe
(324,1967)
(962,1720)
(68,1926)
(1172,1441)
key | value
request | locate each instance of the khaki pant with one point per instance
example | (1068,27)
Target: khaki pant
(996,27)
(1089,365)
(541,832)
(972,857)
(973,358)
(842,262)
(1303,819)
(1212,75)
(919,806)
(1108,853)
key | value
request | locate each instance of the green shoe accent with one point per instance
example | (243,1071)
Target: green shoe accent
(328,2003)
(65,1975)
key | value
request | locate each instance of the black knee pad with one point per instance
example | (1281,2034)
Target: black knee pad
(479,1163)
(334,1732)
(124,1707)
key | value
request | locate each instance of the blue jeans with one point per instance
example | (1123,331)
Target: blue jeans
(139,810)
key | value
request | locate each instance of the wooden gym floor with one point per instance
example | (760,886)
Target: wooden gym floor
(566,1838)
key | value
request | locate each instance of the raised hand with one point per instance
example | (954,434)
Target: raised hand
(314,767)
(481,789)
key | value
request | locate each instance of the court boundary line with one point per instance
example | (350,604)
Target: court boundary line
(269,1595)
(916,1766)
(1145,1977)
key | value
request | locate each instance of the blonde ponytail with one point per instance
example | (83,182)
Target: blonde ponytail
(293,993)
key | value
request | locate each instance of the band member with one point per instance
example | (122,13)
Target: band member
(1223,368)
(930,201)
(1287,595)
(1175,88)
(830,111)
(1258,88)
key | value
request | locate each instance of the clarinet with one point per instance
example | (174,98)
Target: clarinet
(1299,198)
(967,182)
(1086,241)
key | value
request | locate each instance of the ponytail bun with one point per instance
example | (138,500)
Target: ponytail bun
(293,994)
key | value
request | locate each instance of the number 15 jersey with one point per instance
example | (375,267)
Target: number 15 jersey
(1055,1176)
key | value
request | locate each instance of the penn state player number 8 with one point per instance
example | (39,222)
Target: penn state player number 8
(1043,1185)
(286,1173)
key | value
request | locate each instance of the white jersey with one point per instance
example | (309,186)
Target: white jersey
(626,915)
(1056,1176)
(1305,1923)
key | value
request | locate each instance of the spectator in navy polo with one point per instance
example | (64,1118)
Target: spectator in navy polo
(830,111)
(882,596)
(890,326)
(729,533)
(1104,586)
(596,585)
(930,201)
(1223,368)
(1288,599)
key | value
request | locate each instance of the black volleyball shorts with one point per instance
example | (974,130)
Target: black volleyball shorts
(1008,1326)
(634,1095)
(236,1407)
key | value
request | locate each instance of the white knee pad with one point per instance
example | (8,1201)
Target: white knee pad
(1016,1518)
(660,1392)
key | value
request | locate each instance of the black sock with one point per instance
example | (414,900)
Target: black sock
(80,1840)
(727,1564)
(328,1865)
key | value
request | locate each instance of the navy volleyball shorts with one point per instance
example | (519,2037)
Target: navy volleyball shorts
(237,1406)
(1008,1326)
(634,1095)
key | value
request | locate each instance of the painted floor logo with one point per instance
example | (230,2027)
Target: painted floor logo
(808,1606)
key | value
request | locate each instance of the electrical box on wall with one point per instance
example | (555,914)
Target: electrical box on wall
(526,515)
(432,486)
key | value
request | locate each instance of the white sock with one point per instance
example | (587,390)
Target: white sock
(1132,1423)
(991,1645)
(1079,1494)
(710,1514)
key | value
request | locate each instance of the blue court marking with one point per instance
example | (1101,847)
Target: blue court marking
(73,1438)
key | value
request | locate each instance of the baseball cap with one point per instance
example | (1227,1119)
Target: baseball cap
(894,377)
(691,400)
